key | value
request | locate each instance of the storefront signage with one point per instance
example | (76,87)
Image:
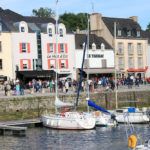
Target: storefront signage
(96,55)
(58,56)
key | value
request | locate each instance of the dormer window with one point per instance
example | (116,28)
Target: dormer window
(102,47)
(93,46)
(138,33)
(83,45)
(50,31)
(22,29)
(119,32)
(128,33)
(61,32)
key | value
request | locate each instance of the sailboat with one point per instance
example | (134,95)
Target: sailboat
(68,120)
(102,116)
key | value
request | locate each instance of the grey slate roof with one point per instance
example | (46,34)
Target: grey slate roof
(80,39)
(146,34)
(123,24)
(10,21)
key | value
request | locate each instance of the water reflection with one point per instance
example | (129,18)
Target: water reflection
(48,139)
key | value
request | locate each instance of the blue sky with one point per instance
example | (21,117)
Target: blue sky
(108,8)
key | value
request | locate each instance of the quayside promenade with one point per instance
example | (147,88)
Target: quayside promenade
(29,106)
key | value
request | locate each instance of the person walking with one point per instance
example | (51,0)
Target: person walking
(66,86)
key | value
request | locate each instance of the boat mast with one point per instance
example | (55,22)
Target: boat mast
(56,82)
(115,59)
(88,64)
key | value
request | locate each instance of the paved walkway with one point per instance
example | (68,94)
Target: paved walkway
(47,91)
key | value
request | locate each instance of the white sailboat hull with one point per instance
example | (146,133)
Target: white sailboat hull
(69,121)
(137,117)
(101,119)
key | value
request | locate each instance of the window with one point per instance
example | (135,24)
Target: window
(1,64)
(61,32)
(121,62)
(138,34)
(24,47)
(50,31)
(25,66)
(139,48)
(140,62)
(119,32)
(104,63)
(120,48)
(22,29)
(93,46)
(0,46)
(62,65)
(128,33)
(130,48)
(51,47)
(130,62)
(62,48)
(52,64)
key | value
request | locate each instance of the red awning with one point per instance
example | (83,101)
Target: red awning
(137,70)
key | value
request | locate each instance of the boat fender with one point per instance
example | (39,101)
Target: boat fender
(132,141)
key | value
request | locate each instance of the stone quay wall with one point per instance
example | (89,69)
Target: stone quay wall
(25,107)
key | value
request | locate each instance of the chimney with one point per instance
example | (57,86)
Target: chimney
(95,21)
(134,18)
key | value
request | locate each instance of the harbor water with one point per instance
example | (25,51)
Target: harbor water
(101,138)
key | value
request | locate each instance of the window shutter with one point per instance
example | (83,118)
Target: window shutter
(60,63)
(28,47)
(48,48)
(66,48)
(67,64)
(48,64)
(21,64)
(20,46)
(54,47)
(29,64)
(58,47)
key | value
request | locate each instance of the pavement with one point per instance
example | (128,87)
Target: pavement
(99,90)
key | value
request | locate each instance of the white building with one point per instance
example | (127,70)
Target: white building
(100,55)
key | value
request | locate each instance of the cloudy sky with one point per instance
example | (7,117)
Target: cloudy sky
(108,8)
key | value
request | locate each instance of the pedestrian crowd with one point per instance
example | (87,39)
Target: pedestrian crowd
(17,87)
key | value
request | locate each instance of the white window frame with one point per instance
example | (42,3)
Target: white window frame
(120,48)
(61,32)
(130,48)
(131,62)
(119,32)
(62,48)
(140,62)
(138,33)
(24,49)
(51,45)
(139,48)
(50,31)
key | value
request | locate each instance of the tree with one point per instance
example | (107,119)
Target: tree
(43,12)
(148,27)
(73,21)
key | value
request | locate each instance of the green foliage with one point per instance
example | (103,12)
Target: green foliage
(73,21)
(43,12)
